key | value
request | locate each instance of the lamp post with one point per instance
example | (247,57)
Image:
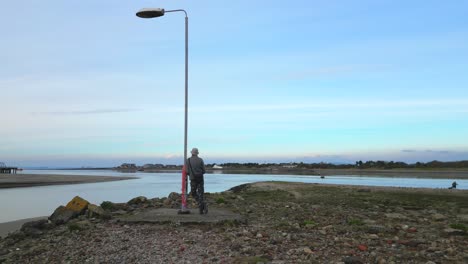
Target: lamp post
(157,12)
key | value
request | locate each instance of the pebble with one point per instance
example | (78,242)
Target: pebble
(307,250)
(438,217)
(362,247)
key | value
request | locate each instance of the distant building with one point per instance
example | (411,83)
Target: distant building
(128,166)
(217,167)
(288,166)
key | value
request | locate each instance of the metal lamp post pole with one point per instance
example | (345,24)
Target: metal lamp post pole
(157,12)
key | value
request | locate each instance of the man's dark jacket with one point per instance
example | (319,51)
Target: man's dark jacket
(196,167)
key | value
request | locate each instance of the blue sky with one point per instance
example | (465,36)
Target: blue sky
(87,83)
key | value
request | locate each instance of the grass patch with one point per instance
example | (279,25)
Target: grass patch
(74,227)
(220,200)
(355,222)
(309,223)
(459,226)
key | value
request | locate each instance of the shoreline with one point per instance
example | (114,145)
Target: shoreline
(11,226)
(439,173)
(282,223)
(34,180)
(403,173)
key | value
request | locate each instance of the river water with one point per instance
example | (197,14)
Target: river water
(20,203)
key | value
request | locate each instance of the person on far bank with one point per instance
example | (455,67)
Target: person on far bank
(196,170)
(454,185)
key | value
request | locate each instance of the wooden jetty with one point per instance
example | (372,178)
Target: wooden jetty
(7,170)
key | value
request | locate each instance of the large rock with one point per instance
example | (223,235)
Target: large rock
(463,217)
(39,224)
(173,196)
(79,225)
(97,212)
(62,215)
(34,228)
(137,200)
(454,232)
(77,205)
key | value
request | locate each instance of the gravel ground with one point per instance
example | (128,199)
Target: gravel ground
(286,223)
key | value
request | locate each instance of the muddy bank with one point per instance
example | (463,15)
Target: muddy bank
(32,180)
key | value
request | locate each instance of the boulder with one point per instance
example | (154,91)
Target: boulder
(376,229)
(35,228)
(454,232)
(173,196)
(137,200)
(79,225)
(62,215)
(77,205)
(95,211)
(463,217)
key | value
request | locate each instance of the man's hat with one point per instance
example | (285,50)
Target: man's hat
(194,151)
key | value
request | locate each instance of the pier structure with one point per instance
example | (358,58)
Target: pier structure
(4,169)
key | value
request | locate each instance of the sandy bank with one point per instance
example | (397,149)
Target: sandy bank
(32,180)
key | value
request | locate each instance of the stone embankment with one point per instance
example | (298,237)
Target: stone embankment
(285,223)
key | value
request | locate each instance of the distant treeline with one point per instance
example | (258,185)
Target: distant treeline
(359,164)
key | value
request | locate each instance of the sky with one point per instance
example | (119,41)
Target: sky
(87,83)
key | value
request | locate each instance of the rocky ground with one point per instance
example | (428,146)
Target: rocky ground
(285,223)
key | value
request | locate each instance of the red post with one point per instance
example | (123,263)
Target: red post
(184,188)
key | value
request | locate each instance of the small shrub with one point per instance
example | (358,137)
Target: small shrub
(108,206)
(220,200)
(74,227)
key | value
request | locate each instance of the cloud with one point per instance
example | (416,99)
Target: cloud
(336,104)
(408,150)
(438,151)
(428,151)
(333,71)
(88,112)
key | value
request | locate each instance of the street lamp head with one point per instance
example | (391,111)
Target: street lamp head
(150,12)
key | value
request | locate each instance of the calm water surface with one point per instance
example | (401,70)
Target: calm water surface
(19,203)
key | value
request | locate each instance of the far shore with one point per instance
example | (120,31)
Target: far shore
(33,180)
(404,173)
